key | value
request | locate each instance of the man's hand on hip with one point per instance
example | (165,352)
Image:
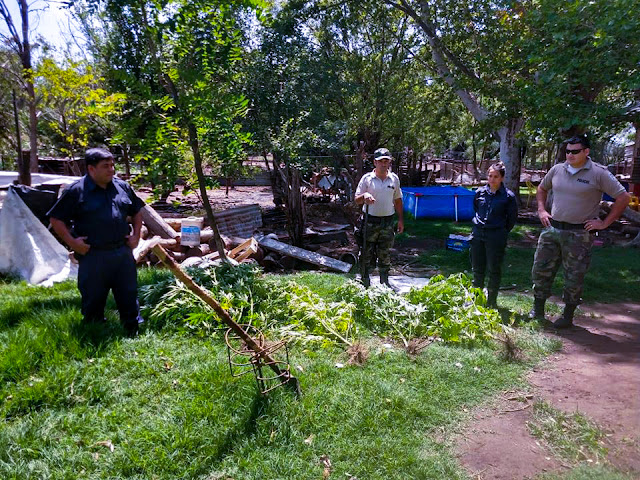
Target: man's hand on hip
(594,224)
(132,241)
(80,246)
(545,218)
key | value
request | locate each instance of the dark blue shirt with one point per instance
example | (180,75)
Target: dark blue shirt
(495,210)
(100,214)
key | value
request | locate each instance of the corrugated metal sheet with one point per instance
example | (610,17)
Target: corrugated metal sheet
(239,221)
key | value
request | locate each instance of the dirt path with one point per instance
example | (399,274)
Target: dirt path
(597,373)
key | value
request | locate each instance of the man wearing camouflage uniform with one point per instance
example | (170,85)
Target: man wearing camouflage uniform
(379,191)
(577,187)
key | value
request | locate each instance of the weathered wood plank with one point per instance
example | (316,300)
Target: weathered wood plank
(302,254)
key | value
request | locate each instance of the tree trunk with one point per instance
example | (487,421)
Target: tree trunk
(360,156)
(474,155)
(127,161)
(31,93)
(510,153)
(24,173)
(635,169)
(549,157)
(197,160)
(295,209)
(33,129)
(266,161)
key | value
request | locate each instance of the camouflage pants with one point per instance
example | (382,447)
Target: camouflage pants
(379,242)
(572,248)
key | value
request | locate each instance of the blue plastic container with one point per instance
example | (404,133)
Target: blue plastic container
(453,203)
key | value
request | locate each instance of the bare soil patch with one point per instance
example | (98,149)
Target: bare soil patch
(597,373)
(190,201)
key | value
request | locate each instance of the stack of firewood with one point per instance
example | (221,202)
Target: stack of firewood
(166,232)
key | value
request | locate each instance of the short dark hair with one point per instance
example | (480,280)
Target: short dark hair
(94,156)
(581,139)
(498,167)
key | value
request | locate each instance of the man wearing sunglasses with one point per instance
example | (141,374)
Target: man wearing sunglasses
(577,186)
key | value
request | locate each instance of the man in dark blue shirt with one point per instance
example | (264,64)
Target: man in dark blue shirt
(93,217)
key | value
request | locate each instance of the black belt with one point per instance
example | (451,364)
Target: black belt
(378,220)
(109,246)
(566,226)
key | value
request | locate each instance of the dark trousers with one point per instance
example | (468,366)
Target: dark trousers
(487,253)
(102,270)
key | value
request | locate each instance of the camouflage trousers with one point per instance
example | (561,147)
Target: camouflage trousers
(572,249)
(379,242)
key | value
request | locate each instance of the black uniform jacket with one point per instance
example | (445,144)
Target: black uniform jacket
(100,214)
(495,210)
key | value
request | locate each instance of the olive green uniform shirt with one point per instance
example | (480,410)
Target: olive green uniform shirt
(576,197)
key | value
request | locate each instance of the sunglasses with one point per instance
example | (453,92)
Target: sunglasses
(574,152)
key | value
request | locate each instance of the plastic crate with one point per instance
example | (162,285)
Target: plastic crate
(459,243)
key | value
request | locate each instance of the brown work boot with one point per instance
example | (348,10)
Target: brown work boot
(566,321)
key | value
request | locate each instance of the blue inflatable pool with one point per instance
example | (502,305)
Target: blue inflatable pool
(454,203)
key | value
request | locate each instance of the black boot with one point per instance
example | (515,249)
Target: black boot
(384,280)
(538,309)
(366,281)
(566,320)
(492,299)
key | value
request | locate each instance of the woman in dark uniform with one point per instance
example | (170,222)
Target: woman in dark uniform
(496,213)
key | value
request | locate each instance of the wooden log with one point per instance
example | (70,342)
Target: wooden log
(156,224)
(175,223)
(199,251)
(206,234)
(627,213)
(260,351)
(633,243)
(146,245)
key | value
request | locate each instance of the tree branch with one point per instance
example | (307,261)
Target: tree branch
(14,37)
(440,55)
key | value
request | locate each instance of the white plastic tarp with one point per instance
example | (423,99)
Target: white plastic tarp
(28,249)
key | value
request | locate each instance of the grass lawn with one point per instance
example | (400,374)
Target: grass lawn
(78,402)
(87,402)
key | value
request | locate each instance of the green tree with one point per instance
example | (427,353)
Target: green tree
(586,57)
(178,63)
(21,45)
(343,74)
(470,46)
(74,105)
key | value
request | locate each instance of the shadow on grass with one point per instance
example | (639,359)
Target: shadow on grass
(243,431)
(13,313)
